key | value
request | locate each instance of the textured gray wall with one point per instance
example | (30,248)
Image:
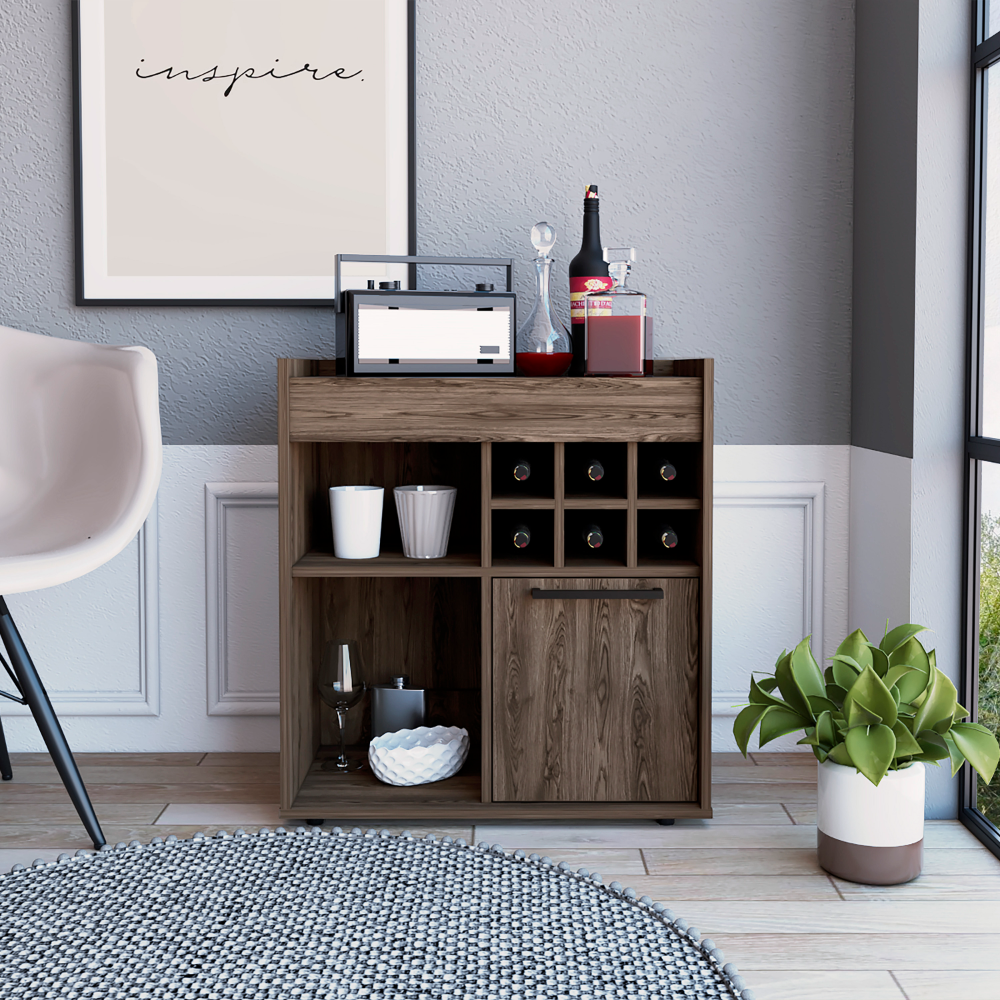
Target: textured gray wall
(885,225)
(721,136)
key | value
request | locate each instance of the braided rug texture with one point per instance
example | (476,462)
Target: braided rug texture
(316,914)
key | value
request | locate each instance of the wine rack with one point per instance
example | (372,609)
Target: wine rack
(617,503)
(554,459)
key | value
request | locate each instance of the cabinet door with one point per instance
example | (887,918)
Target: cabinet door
(595,699)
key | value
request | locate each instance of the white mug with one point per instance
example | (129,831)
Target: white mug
(357,521)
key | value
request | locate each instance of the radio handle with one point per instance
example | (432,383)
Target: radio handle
(505,262)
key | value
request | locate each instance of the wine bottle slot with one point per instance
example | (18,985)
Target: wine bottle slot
(667,472)
(595,471)
(668,537)
(522,471)
(520,535)
(593,536)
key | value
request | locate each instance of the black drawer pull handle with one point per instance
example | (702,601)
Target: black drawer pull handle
(656,594)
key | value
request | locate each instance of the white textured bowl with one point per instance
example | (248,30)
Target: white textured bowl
(425,519)
(418,756)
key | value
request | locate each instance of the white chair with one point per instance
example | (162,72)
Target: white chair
(80,462)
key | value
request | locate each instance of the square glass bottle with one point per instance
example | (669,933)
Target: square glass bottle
(615,324)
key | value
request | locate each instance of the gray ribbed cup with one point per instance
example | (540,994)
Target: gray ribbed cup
(425,514)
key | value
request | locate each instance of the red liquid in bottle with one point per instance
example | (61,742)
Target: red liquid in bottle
(535,363)
(615,345)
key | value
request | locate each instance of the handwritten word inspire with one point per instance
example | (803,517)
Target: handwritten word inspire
(250,73)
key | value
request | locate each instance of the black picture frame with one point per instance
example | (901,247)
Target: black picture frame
(85,296)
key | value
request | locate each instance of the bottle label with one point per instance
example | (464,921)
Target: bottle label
(578,288)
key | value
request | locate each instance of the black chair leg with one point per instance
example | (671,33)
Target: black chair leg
(41,708)
(5,772)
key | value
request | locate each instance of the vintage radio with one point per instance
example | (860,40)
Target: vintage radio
(393,331)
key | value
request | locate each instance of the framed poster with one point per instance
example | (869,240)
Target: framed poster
(226,150)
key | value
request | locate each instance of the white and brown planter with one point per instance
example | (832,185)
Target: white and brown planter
(869,834)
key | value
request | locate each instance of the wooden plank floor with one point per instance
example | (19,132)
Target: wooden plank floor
(748,878)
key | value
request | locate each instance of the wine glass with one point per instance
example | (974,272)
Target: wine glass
(342,685)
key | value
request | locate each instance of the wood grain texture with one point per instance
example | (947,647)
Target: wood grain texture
(495,409)
(485,494)
(25,796)
(297,487)
(123,759)
(771,984)
(838,917)
(861,951)
(679,888)
(559,492)
(38,774)
(949,984)
(631,520)
(394,431)
(595,700)
(316,565)
(706,368)
(485,694)
(64,814)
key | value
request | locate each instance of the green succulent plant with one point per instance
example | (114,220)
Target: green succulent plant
(875,708)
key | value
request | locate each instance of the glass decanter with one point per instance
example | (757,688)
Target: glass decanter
(615,323)
(543,343)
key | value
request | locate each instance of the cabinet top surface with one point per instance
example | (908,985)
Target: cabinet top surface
(654,408)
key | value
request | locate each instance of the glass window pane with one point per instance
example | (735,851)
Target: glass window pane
(992,17)
(988,797)
(991,255)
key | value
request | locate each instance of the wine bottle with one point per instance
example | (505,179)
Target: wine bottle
(522,470)
(595,471)
(668,537)
(520,535)
(667,471)
(593,537)
(588,272)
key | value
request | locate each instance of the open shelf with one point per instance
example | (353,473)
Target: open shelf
(398,463)
(522,503)
(678,568)
(577,502)
(583,567)
(360,793)
(668,503)
(323,564)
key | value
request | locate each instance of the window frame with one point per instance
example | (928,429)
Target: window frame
(979,449)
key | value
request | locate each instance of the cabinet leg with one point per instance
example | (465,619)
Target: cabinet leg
(665,822)
(314,822)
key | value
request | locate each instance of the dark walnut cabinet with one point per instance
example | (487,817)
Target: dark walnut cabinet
(583,676)
(595,699)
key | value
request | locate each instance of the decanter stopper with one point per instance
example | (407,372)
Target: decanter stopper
(543,238)
(619,261)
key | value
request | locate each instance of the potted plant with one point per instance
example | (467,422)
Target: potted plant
(872,718)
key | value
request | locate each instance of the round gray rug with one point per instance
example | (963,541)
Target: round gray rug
(345,915)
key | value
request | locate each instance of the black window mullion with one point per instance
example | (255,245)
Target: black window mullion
(979,449)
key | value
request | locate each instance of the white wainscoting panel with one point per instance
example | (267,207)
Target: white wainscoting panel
(241,598)
(95,641)
(767,579)
(781,565)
